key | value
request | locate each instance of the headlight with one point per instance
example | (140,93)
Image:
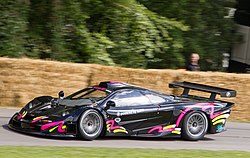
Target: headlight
(65,113)
(30,105)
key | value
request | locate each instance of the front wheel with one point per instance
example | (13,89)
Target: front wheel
(90,124)
(195,126)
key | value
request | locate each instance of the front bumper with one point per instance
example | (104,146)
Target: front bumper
(27,127)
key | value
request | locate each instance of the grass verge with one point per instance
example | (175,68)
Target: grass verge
(76,152)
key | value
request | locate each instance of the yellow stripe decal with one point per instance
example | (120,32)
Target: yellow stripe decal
(52,129)
(37,117)
(108,127)
(219,121)
(64,127)
(176,132)
(169,126)
(120,130)
(220,117)
(25,113)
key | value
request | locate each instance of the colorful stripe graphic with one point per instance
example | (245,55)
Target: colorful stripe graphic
(169,128)
(36,119)
(223,116)
(22,115)
(59,124)
(217,118)
(115,129)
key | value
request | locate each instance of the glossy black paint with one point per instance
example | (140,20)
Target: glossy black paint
(59,117)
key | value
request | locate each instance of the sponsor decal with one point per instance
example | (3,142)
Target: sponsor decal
(129,112)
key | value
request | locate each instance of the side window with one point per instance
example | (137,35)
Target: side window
(157,99)
(130,98)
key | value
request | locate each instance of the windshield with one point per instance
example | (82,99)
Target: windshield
(88,93)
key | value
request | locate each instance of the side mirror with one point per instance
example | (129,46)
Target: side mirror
(61,94)
(110,104)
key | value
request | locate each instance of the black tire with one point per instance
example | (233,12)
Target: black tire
(195,126)
(90,125)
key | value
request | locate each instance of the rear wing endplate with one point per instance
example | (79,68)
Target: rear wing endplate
(205,88)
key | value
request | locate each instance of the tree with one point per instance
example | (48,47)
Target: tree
(45,23)
(88,46)
(210,34)
(140,37)
(13,25)
(129,33)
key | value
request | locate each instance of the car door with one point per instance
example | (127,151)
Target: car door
(163,102)
(133,111)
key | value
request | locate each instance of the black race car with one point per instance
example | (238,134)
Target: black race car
(116,108)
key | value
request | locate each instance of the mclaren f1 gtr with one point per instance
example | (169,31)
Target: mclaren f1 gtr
(120,109)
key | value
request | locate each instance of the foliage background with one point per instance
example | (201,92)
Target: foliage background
(127,33)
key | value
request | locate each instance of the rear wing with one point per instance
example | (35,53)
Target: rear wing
(205,88)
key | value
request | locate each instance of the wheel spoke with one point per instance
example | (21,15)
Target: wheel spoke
(196,124)
(91,124)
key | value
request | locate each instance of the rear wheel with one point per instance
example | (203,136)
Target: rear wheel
(194,126)
(90,124)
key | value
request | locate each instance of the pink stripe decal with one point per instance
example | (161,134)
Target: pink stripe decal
(212,115)
(112,125)
(99,88)
(20,116)
(160,129)
(204,106)
(181,116)
(48,125)
(208,105)
(110,122)
(60,128)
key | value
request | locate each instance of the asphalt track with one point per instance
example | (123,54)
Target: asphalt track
(237,137)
